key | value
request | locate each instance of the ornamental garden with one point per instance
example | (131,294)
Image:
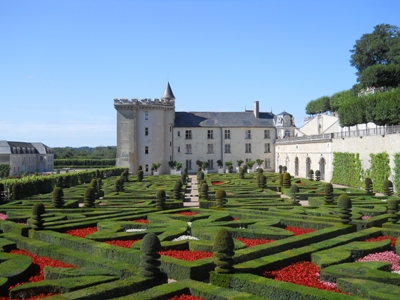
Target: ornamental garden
(106,234)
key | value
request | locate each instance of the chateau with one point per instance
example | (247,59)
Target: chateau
(26,157)
(151,131)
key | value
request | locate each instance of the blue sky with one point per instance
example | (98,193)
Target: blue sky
(63,62)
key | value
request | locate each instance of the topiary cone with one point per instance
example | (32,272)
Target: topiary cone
(393,207)
(220,196)
(369,186)
(161,196)
(328,193)
(149,264)
(286,180)
(58,197)
(36,220)
(223,252)
(204,191)
(90,196)
(263,181)
(344,204)
(388,188)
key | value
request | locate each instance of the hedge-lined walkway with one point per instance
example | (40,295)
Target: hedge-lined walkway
(191,193)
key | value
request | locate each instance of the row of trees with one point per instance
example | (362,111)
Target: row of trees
(108,152)
(376,56)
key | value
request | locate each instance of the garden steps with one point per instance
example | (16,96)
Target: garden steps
(192,193)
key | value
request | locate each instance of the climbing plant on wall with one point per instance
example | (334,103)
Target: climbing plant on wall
(396,171)
(379,170)
(347,169)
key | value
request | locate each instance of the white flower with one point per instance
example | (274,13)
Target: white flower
(135,229)
(190,224)
(185,237)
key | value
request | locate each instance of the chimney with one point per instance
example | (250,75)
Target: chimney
(256,109)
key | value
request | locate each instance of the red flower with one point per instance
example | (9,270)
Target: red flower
(186,297)
(302,273)
(187,213)
(216,182)
(299,230)
(381,238)
(187,254)
(122,243)
(144,221)
(82,232)
(253,242)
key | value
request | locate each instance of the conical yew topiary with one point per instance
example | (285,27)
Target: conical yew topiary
(311,174)
(286,180)
(263,181)
(388,188)
(36,220)
(16,191)
(328,193)
(178,190)
(160,202)
(58,197)
(294,190)
(89,198)
(344,204)
(204,191)
(318,175)
(369,186)
(149,264)
(220,197)
(140,175)
(223,252)
(393,207)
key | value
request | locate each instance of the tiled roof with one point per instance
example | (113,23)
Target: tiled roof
(223,119)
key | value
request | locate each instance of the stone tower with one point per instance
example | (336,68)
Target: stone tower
(144,131)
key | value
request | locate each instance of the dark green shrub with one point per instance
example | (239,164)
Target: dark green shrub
(318,175)
(369,186)
(183,178)
(58,197)
(16,191)
(200,175)
(220,197)
(2,196)
(60,182)
(223,252)
(89,197)
(140,175)
(344,204)
(93,183)
(125,174)
(393,207)
(241,173)
(160,202)
(178,190)
(204,191)
(280,168)
(311,174)
(294,190)
(284,169)
(328,193)
(388,188)
(280,179)
(36,221)
(286,180)
(263,181)
(149,264)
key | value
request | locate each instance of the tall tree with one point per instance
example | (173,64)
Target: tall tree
(381,47)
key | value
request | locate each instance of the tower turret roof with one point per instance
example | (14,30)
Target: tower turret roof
(168,94)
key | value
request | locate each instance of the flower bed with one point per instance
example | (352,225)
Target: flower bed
(122,243)
(187,213)
(82,232)
(144,221)
(381,238)
(216,182)
(253,242)
(186,297)
(302,273)
(39,262)
(386,256)
(299,230)
(187,254)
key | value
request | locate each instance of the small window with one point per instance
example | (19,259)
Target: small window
(188,149)
(266,134)
(188,134)
(211,164)
(188,164)
(268,163)
(247,148)
(146,149)
(248,134)
(210,134)
(267,148)
(146,167)
(179,133)
(146,131)
(179,149)
(227,148)
(210,148)
(146,115)
(227,134)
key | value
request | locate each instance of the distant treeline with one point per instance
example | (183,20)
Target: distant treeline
(85,157)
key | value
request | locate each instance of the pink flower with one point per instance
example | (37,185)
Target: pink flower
(3,217)
(386,256)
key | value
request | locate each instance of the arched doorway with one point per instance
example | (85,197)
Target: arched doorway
(322,168)
(296,166)
(308,166)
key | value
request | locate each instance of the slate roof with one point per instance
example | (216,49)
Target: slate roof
(223,119)
(168,94)
(8,147)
